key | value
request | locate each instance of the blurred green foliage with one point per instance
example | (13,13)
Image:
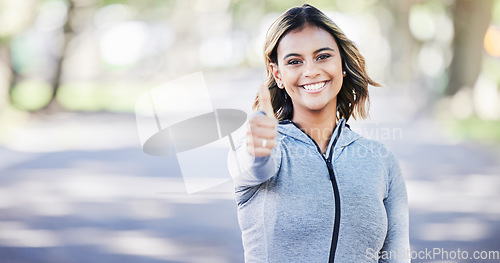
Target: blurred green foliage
(31,95)
(93,96)
(474,128)
(496,12)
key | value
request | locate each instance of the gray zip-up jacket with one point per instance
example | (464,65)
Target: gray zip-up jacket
(298,205)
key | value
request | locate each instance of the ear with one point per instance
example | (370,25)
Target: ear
(276,74)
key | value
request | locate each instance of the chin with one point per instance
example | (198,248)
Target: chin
(316,107)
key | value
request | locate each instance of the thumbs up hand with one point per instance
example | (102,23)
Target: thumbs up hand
(261,133)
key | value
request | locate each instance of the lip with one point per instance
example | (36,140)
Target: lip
(317,90)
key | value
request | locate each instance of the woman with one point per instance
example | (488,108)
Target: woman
(313,190)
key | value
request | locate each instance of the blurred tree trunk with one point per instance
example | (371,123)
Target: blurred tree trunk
(5,74)
(8,76)
(56,79)
(471,19)
(402,42)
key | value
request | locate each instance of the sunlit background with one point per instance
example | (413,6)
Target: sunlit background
(75,185)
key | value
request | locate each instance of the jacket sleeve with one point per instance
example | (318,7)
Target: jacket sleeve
(396,246)
(247,170)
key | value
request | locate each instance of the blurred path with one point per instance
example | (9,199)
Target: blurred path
(105,201)
(76,187)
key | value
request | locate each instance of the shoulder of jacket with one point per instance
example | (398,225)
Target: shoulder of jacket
(378,149)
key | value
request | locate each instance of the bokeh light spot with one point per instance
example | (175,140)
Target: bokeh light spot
(421,22)
(122,44)
(431,60)
(52,15)
(492,41)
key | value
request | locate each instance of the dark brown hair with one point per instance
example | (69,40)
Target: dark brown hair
(353,97)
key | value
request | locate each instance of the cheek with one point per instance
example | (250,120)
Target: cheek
(290,75)
(334,68)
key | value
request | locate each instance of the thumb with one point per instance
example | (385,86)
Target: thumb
(265,101)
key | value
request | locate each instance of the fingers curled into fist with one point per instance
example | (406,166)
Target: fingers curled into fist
(261,132)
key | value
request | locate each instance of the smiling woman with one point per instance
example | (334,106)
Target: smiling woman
(317,67)
(314,190)
(355,92)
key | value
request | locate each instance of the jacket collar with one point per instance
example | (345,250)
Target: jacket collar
(347,136)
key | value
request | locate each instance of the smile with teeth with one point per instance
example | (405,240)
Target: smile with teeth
(314,87)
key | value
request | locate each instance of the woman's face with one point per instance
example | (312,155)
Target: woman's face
(310,67)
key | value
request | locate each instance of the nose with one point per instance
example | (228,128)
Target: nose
(311,70)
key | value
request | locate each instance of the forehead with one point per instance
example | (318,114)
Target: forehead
(305,40)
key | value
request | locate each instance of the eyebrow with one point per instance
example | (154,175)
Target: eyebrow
(298,55)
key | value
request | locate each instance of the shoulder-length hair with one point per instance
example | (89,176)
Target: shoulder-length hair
(353,98)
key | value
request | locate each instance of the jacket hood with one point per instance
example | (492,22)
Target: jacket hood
(347,136)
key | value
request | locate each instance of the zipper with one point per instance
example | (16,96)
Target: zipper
(336,194)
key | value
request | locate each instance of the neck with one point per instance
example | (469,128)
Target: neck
(317,124)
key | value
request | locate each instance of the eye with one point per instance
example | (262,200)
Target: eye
(293,62)
(323,56)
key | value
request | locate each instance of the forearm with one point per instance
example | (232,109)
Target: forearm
(249,170)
